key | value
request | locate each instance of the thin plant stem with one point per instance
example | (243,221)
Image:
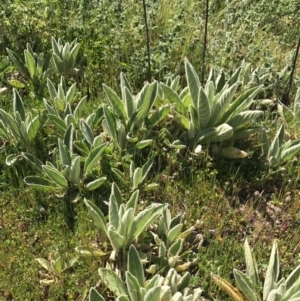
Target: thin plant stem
(204,43)
(148,40)
(286,97)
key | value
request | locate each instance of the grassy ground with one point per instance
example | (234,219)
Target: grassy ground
(226,200)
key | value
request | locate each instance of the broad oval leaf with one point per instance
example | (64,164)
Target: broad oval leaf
(38,182)
(137,178)
(116,240)
(244,284)
(86,132)
(175,248)
(193,82)
(272,273)
(134,265)
(95,184)
(18,105)
(97,215)
(94,295)
(92,158)
(55,176)
(112,281)
(74,173)
(242,119)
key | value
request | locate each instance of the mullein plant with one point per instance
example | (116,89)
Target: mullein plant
(172,287)
(210,115)
(130,117)
(124,226)
(35,67)
(251,288)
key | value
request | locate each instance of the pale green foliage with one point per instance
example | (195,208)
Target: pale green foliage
(35,67)
(65,57)
(290,116)
(137,175)
(124,223)
(66,169)
(274,288)
(277,152)
(20,127)
(55,267)
(172,243)
(169,288)
(210,114)
(60,112)
(130,114)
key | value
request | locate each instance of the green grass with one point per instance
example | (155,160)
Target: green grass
(220,203)
(226,200)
